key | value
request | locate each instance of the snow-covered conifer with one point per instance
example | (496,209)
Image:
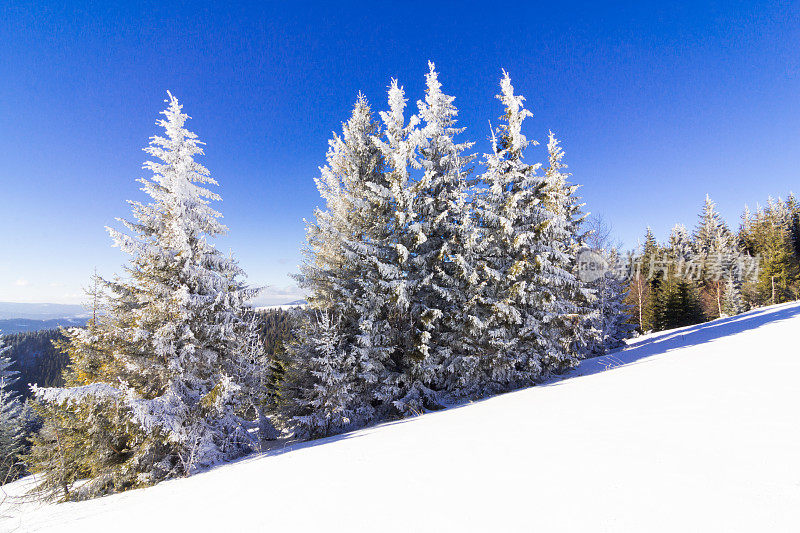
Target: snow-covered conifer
(11,423)
(353,268)
(323,392)
(170,346)
(677,303)
(441,270)
(716,249)
(398,145)
(563,301)
(732,302)
(509,213)
(712,234)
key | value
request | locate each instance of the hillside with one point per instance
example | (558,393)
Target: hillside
(691,429)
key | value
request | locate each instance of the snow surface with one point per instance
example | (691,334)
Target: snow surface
(691,429)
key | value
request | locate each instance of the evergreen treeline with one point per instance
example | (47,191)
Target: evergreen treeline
(10,326)
(25,358)
(275,327)
(715,272)
(773,233)
(434,275)
(36,358)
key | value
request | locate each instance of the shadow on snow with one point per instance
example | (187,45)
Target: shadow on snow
(665,341)
(637,350)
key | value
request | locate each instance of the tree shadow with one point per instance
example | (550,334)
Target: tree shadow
(636,351)
(662,342)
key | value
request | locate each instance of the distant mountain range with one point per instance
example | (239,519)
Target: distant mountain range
(20,317)
(290,305)
(36,311)
(21,325)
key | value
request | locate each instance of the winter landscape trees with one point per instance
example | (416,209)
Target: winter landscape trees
(433,275)
(442,282)
(11,420)
(156,382)
(715,272)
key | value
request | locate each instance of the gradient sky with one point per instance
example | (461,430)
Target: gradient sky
(656,105)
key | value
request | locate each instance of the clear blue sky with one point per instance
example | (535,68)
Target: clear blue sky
(656,105)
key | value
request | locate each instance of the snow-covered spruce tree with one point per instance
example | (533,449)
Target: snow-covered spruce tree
(12,442)
(352,273)
(175,331)
(711,230)
(732,302)
(677,302)
(612,314)
(398,145)
(715,246)
(320,385)
(352,162)
(441,275)
(563,302)
(509,214)
(647,282)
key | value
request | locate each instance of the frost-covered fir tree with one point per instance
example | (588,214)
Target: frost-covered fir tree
(441,273)
(612,315)
(715,246)
(509,214)
(564,303)
(398,145)
(712,234)
(612,312)
(12,442)
(353,162)
(732,303)
(167,356)
(677,303)
(354,258)
(321,386)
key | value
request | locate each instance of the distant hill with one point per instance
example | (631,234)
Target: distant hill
(19,325)
(39,311)
(285,307)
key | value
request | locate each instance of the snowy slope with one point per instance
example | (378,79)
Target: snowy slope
(693,429)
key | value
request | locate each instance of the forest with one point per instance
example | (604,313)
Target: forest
(434,276)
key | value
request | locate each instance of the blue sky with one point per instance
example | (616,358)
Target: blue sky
(655,104)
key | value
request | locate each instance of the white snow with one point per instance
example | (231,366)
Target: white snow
(693,429)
